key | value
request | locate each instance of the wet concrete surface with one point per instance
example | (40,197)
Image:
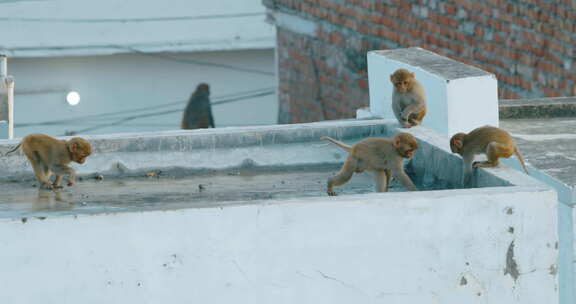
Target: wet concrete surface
(548,144)
(20,199)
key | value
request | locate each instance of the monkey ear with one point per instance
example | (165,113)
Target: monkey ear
(412,74)
(396,142)
(73,147)
(458,143)
(392,78)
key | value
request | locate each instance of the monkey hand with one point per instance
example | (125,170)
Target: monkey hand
(406,124)
(331,193)
(54,186)
(405,115)
(71,183)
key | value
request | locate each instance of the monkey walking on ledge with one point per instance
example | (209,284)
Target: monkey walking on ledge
(383,156)
(492,141)
(198,112)
(48,154)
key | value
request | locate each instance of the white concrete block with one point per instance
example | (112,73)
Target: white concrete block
(364,113)
(4,130)
(492,245)
(460,97)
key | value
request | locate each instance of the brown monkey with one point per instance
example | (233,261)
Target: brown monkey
(408,98)
(48,154)
(383,156)
(198,112)
(492,141)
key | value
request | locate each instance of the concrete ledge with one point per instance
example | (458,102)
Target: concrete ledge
(265,146)
(538,108)
(494,245)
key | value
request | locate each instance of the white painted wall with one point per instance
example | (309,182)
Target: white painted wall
(458,103)
(80,32)
(130,82)
(444,247)
(73,27)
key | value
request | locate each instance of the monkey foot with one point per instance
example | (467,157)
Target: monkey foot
(331,193)
(483,164)
(70,184)
(47,186)
(57,187)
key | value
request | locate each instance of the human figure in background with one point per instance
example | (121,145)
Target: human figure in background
(198,112)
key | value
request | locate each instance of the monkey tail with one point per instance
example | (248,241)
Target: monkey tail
(340,144)
(521,159)
(16,148)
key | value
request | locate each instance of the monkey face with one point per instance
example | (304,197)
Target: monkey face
(81,158)
(406,145)
(409,153)
(457,142)
(402,86)
(203,88)
(80,149)
(402,80)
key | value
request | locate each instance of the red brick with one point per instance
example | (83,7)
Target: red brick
(549,92)
(450,9)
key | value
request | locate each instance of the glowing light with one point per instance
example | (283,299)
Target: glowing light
(73,98)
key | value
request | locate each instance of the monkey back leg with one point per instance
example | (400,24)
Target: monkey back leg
(494,150)
(343,175)
(40,170)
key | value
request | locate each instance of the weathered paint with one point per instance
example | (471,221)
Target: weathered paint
(548,146)
(443,247)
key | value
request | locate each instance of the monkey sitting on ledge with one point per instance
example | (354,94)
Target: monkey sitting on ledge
(408,98)
(48,154)
(198,112)
(383,156)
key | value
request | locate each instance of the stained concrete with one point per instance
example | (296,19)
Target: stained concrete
(537,108)
(163,191)
(234,165)
(547,144)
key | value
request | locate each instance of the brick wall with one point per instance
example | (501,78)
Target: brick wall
(529,44)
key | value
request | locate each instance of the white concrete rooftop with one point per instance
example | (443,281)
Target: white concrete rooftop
(548,144)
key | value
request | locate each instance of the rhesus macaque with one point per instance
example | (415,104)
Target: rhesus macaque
(198,113)
(383,156)
(492,141)
(50,155)
(408,99)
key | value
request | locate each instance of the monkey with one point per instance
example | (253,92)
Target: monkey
(198,112)
(49,155)
(492,141)
(383,156)
(408,98)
